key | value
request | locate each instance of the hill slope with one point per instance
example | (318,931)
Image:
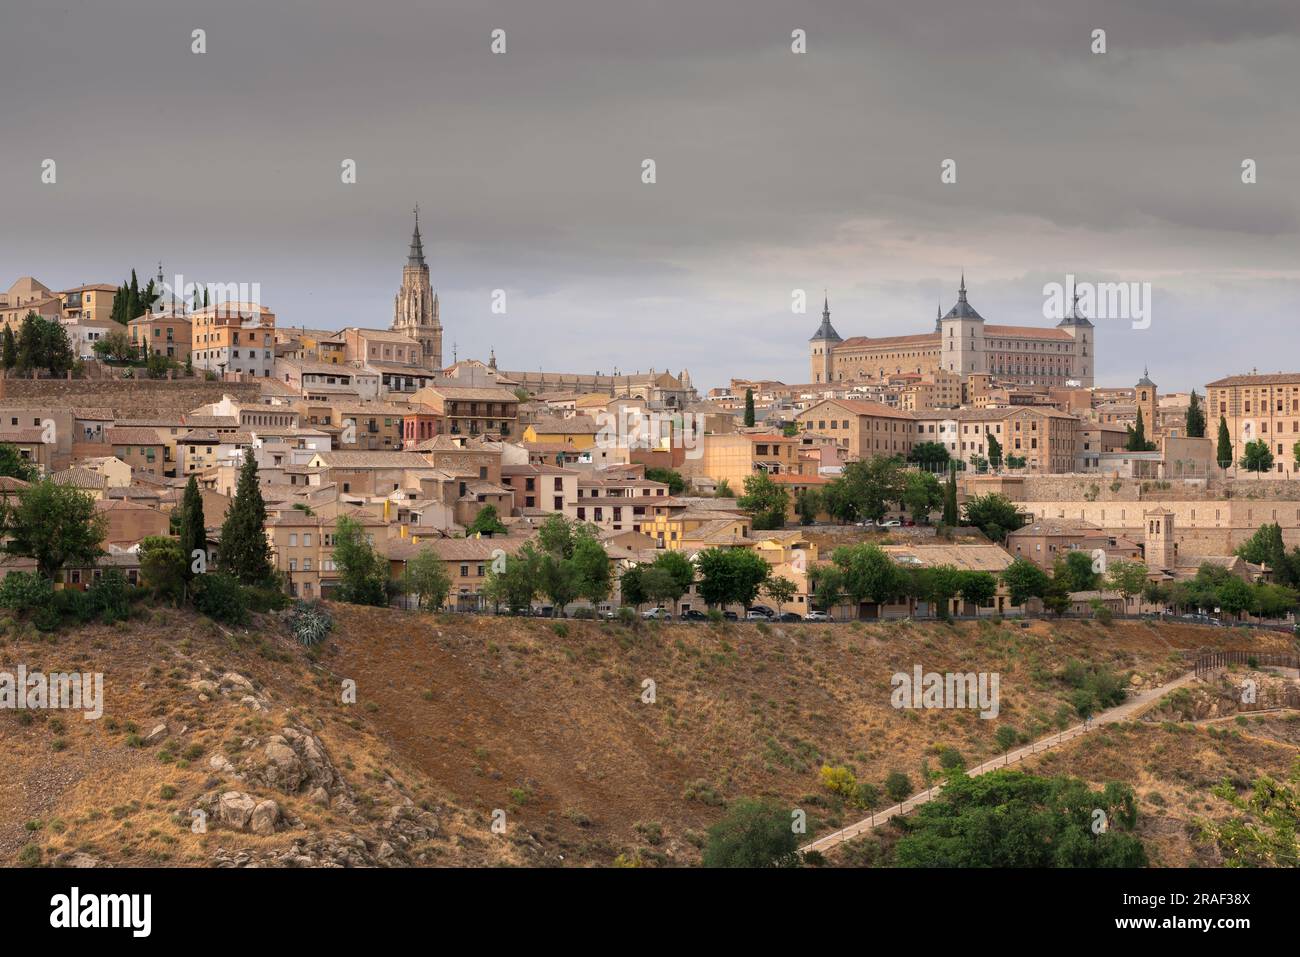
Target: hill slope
(459,721)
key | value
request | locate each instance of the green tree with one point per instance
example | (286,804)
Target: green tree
(722,489)
(590,563)
(1024,580)
(516,585)
(807,504)
(1195,422)
(1223,454)
(1127,578)
(950,514)
(995,452)
(426,577)
(929,455)
(898,786)
(1075,569)
(192,527)
(1257,457)
(660,586)
(754,833)
(163,566)
(676,484)
(730,575)
(766,500)
(869,574)
(749,408)
(780,590)
(115,345)
(993,514)
(872,486)
(681,570)
(828,587)
(1137,437)
(486,522)
(978,588)
(922,494)
(1266,547)
(363,573)
(1265,835)
(13,465)
(9,351)
(245,551)
(557,579)
(1235,596)
(632,586)
(55,526)
(1011,819)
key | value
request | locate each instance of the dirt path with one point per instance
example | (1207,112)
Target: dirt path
(1123,712)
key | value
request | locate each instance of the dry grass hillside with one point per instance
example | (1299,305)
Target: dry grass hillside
(461,720)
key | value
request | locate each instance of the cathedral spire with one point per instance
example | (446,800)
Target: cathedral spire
(416,255)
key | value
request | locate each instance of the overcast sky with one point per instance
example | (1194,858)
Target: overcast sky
(775,171)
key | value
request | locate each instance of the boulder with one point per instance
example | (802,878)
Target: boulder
(235,809)
(157,734)
(264,817)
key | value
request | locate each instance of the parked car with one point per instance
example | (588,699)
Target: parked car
(730,616)
(692,614)
(818,616)
(657,614)
(889,523)
(791,616)
(762,610)
(755,615)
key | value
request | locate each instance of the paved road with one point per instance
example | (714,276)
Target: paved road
(1131,708)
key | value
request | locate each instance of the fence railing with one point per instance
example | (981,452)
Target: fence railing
(1210,661)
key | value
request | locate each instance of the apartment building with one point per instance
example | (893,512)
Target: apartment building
(736,456)
(863,429)
(615,504)
(140,448)
(1258,407)
(234,338)
(540,488)
(162,334)
(469,410)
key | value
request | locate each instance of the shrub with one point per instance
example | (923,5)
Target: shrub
(898,786)
(108,598)
(951,759)
(627,615)
(310,622)
(24,591)
(839,780)
(47,618)
(221,598)
(72,603)
(266,599)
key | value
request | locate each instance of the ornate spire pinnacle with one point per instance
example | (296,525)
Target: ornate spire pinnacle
(416,255)
(961,290)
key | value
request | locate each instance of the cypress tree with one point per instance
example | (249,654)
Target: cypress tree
(193,533)
(9,352)
(749,407)
(1195,418)
(245,552)
(1137,436)
(950,516)
(1224,452)
(133,298)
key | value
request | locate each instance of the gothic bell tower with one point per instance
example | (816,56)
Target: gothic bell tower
(415,308)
